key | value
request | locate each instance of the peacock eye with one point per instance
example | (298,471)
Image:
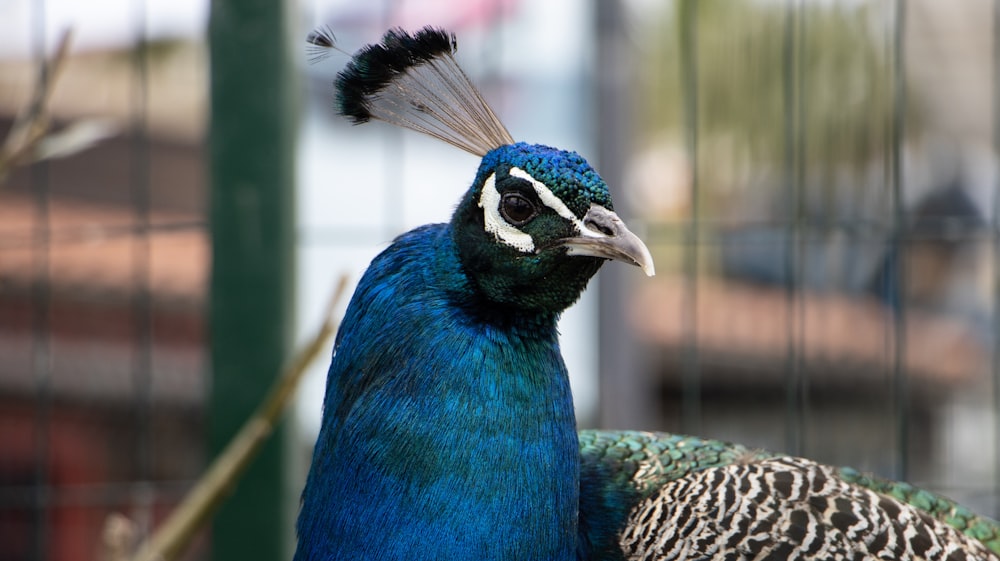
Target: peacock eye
(516,209)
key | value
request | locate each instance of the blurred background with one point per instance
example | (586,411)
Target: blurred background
(816,180)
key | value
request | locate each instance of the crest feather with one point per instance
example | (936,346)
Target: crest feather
(414,81)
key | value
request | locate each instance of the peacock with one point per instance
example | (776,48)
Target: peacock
(448,429)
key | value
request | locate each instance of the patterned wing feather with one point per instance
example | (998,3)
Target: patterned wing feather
(620,469)
(941,508)
(669,497)
(786,508)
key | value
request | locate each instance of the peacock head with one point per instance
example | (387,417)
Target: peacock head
(537,224)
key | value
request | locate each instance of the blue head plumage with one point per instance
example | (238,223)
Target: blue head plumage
(529,207)
(567,173)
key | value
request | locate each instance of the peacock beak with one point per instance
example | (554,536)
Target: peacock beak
(603,234)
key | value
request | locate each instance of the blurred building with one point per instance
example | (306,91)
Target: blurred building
(104,260)
(812,301)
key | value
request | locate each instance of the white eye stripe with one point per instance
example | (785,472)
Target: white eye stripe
(545,194)
(495,224)
(489,201)
(550,200)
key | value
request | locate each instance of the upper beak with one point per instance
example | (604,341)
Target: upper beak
(605,235)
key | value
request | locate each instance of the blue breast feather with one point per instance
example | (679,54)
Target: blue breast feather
(439,428)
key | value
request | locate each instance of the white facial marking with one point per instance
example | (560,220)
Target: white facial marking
(495,224)
(489,201)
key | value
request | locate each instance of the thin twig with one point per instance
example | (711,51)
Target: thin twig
(118,538)
(32,123)
(177,531)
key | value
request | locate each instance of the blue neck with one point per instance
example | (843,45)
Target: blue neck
(445,435)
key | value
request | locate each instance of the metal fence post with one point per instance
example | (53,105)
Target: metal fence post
(252,169)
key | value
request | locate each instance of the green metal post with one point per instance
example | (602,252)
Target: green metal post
(252,169)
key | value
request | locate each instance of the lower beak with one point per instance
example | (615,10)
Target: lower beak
(605,235)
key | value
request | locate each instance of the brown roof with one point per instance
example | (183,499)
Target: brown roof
(93,349)
(98,250)
(847,335)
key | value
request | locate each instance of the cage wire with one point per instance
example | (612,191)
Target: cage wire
(102,268)
(812,308)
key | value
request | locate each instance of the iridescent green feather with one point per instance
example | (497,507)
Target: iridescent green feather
(649,459)
(941,508)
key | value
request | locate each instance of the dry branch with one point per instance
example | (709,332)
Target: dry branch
(170,539)
(32,123)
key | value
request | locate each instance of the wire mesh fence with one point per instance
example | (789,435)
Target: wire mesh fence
(825,203)
(103,263)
